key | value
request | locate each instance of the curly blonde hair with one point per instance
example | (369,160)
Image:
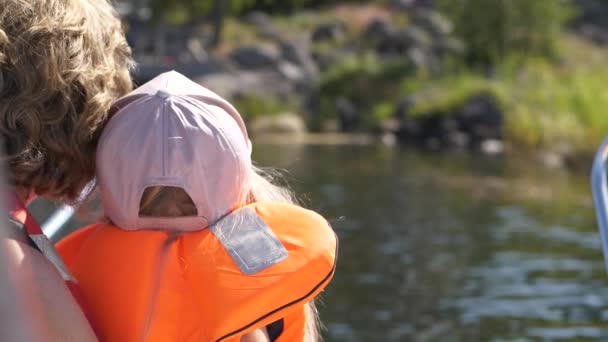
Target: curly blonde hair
(62,64)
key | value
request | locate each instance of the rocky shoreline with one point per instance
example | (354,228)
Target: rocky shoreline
(283,66)
(340,70)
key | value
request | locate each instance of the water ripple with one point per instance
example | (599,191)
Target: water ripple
(529,286)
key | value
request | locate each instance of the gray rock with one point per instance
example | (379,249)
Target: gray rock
(411,5)
(492,147)
(235,82)
(403,107)
(348,114)
(260,20)
(433,22)
(481,118)
(403,4)
(386,39)
(379,30)
(416,36)
(552,160)
(389,139)
(291,72)
(460,139)
(297,51)
(449,46)
(289,123)
(329,31)
(256,56)
(418,56)
(197,50)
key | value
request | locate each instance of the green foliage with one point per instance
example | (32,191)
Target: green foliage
(383,111)
(547,105)
(449,93)
(236,33)
(495,29)
(180,11)
(366,81)
(552,106)
(252,106)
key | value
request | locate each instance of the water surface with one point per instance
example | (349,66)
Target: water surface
(452,247)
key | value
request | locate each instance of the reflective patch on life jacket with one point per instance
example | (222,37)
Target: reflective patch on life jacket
(249,241)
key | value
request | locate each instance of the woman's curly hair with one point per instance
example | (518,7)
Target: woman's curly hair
(62,64)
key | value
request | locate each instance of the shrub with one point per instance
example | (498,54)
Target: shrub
(366,81)
(495,29)
(546,105)
(253,106)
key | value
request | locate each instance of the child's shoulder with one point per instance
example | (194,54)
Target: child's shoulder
(69,246)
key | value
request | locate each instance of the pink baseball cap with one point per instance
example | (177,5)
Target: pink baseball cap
(174,132)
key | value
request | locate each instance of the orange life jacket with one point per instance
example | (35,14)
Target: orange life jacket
(257,266)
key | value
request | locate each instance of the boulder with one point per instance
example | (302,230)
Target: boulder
(433,22)
(416,36)
(403,4)
(260,20)
(449,46)
(492,147)
(291,72)
(410,131)
(387,39)
(482,119)
(234,82)
(285,123)
(419,57)
(411,5)
(348,114)
(297,51)
(552,159)
(256,56)
(478,125)
(379,30)
(333,31)
(403,107)
(438,129)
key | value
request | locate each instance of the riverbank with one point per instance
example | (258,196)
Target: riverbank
(317,139)
(395,72)
(556,106)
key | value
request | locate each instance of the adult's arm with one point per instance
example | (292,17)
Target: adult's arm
(35,303)
(259,335)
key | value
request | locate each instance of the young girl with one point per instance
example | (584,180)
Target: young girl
(198,246)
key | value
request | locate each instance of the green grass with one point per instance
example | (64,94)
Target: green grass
(252,107)
(547,104)
(558,104)
(366,80)
(448,93)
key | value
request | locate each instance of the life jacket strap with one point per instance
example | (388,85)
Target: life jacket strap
(20,214)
